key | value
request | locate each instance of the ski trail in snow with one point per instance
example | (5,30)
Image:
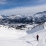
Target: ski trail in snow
(40,43)
(37,43)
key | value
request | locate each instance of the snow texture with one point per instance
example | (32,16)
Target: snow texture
(13,37)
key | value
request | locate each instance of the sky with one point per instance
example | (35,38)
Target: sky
(26,7)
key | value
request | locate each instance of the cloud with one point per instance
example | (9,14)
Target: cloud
(24,10)
(3,2)
(22,2)
(41,1)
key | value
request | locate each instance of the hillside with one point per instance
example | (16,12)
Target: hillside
(13,37)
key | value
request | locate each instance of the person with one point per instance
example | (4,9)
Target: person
(37,37)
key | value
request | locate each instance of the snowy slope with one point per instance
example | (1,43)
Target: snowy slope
(15,37)
(35,29)
(11,32)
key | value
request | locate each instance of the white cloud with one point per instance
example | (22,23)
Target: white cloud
(38,1)
(41,1)
(3,2)
(24,10)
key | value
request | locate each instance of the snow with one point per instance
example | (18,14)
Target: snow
(35,28)
(1,17)
(14,37)
(13,33)
(45,25)
(14,16)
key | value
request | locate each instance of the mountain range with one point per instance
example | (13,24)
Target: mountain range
(39,17)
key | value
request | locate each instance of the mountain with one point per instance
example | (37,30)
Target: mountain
(40,17)
(1,17)
(15,19)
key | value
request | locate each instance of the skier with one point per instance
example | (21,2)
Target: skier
(37,37)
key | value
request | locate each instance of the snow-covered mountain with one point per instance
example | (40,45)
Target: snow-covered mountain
(13,19)
(1,17)
(39,17)
(15,16)
(40,14)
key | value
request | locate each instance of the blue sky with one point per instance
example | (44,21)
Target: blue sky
(7,5)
